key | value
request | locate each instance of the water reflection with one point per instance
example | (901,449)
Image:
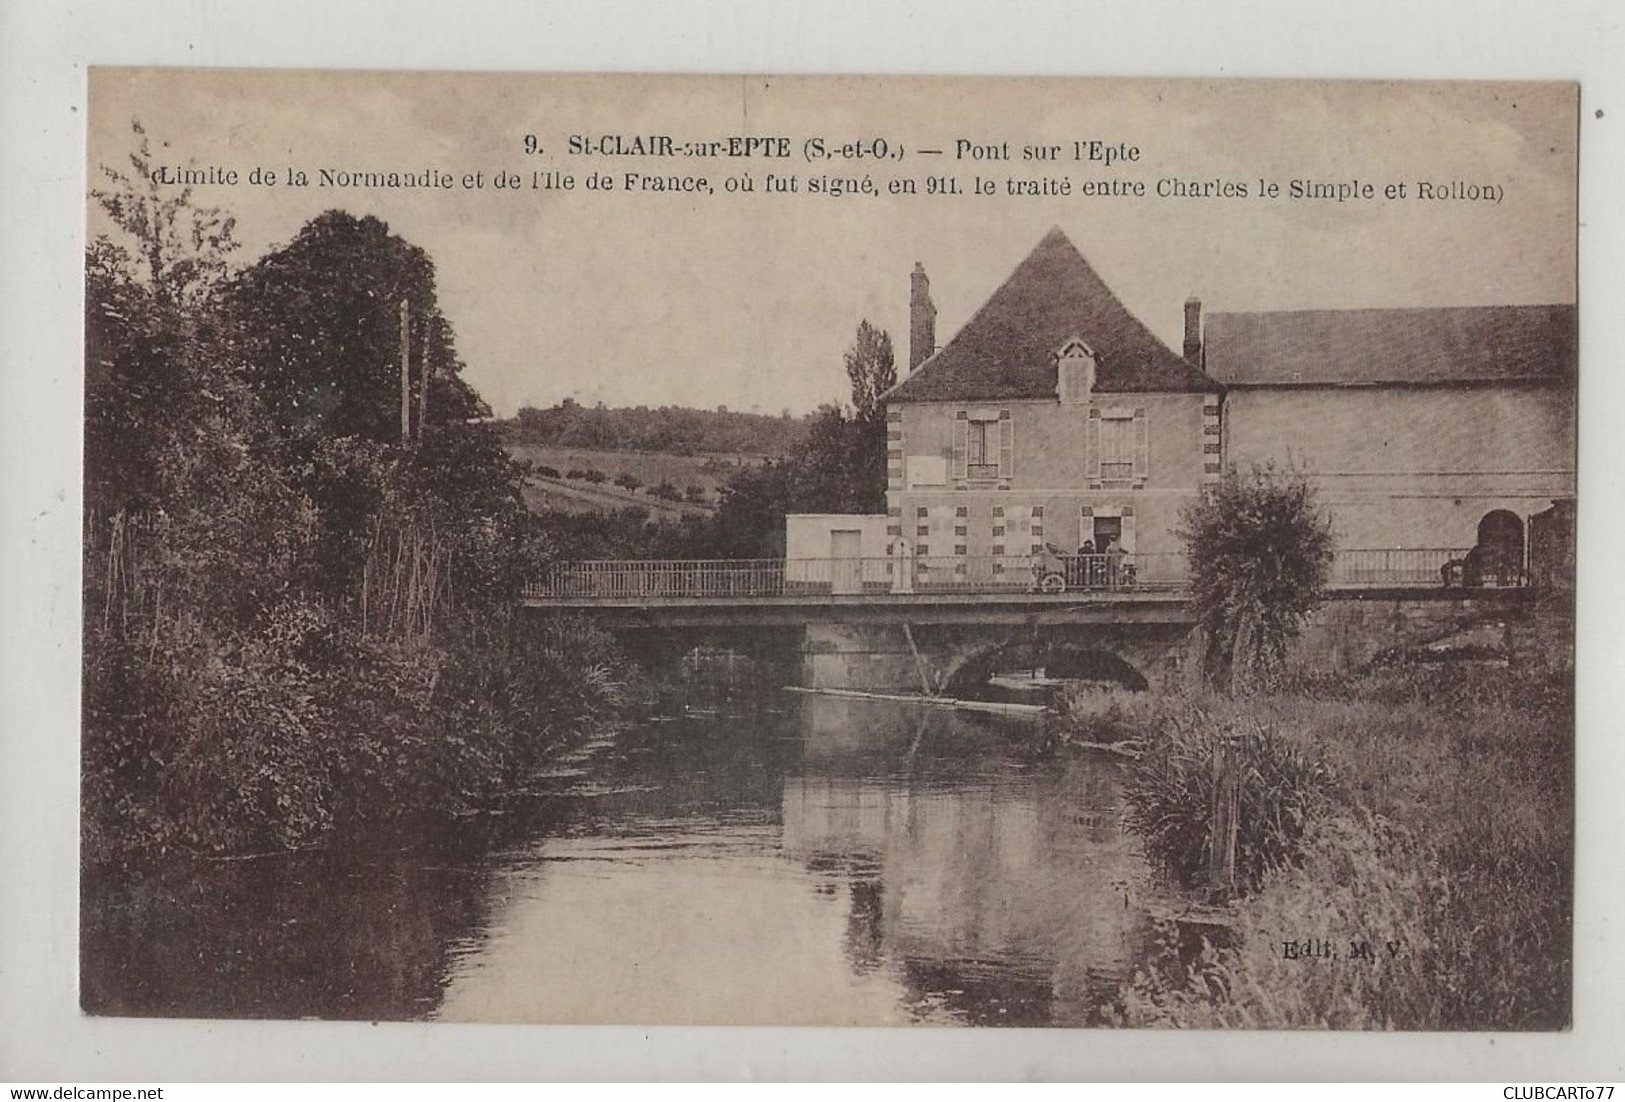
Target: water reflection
(1001,892)
(914,868)
(836,861)
(353,935)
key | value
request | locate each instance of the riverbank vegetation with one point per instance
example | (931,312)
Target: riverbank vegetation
(1424,812)
(1391,849)
(300,602)
(1260,551)
(1204,754)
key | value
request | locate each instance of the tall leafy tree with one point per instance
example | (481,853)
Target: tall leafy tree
(317,326)
(872,370)
(295,620)
(152,376)
(1260,550)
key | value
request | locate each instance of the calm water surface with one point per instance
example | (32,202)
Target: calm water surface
(829,861)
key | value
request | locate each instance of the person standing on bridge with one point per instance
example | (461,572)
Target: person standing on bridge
(1083,566)
(1114,561)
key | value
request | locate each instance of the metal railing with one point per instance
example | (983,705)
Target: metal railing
(609,578)
(663,578)
(1396,567)
(1426,567)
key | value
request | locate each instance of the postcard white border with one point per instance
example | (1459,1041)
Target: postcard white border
(43,54)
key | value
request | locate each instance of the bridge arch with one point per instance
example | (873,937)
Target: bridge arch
(1082,659)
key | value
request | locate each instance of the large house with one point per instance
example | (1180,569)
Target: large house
(1054,416)
(1056,419)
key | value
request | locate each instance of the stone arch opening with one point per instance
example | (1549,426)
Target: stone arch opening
(1070,661)
(1500,527)
(1499,552)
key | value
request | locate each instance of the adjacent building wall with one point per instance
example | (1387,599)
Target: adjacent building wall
(816,564)
(1412,466)
(809,535)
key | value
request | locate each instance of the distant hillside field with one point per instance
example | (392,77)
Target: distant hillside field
(543,491)
(628,452)
(666,430)
(545,495)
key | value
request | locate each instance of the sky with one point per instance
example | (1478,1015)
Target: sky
(750,300)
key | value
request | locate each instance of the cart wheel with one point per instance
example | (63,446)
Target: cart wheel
(1052,583)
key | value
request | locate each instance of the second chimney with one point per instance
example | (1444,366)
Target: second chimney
(1193,331)
(922,318)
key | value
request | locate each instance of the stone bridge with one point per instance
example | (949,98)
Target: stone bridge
(949,643)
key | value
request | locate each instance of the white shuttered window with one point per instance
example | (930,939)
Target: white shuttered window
(1119,444)
(984,444)
(1117,447)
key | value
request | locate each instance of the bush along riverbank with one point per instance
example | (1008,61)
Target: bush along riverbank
(1402,849)
(304,548)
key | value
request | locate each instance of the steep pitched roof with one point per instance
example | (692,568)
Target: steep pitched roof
(1430,346)
(1007,350)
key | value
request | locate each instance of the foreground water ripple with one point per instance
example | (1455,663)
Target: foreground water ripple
(836,861)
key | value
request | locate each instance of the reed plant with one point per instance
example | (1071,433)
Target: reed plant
(1196,753)
(1440,839)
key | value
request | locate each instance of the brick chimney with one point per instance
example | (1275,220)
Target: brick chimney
(1193,331)
(922,318)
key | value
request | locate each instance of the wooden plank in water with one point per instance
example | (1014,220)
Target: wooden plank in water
(929,701)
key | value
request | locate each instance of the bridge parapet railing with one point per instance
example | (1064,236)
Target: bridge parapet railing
(609,579)
(635,578)
(744,578)
(1409,567)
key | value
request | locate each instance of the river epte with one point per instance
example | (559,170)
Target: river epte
(813,860)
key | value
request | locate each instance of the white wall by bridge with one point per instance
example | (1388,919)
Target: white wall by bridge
(808,535)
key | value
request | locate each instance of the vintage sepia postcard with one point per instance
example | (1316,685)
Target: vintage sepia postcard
(611,549)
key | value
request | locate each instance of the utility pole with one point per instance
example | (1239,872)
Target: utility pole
(423,391)
(406,373)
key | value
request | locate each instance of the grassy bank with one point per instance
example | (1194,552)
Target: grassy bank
(1439,834)
(304,732)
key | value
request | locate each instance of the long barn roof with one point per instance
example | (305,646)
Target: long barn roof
(1422,346)
(1007,350)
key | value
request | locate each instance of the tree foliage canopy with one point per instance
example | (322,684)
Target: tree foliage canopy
(182,248)
(871,370)
(316,325)
(295,618)
(1260,549)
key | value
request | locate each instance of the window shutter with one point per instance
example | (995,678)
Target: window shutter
(1091,445)
(1141,443)
(961,436)
(1007,444)
(1127,539)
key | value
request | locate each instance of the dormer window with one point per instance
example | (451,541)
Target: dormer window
(1075,372)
